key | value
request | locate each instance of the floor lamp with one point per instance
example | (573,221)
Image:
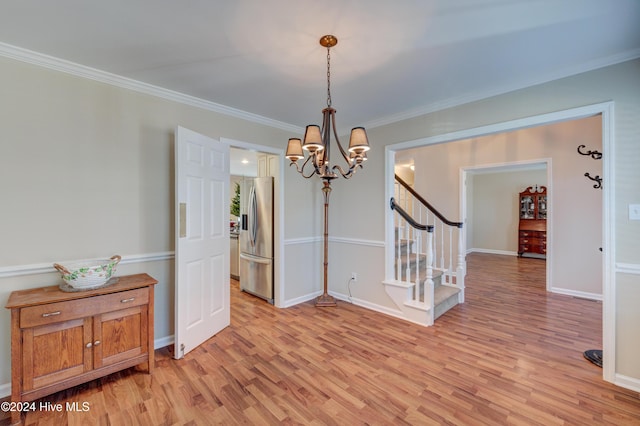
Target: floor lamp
(317,144)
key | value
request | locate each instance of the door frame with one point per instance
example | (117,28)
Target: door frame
(606,111)
(513,166)
(279,197)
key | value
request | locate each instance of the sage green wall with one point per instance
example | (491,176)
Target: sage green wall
(574,230)
(495,208)
(86,171)
(619,83)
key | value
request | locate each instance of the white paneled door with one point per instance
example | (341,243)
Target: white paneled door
(202,239)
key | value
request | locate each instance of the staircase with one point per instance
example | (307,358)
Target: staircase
(429,269)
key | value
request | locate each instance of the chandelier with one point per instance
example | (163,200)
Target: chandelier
(317,140)
(317,144)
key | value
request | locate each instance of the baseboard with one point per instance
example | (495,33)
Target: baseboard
(163,342)
(372,306)
(491,251)
(298,300)
(575,293)
(626,382)
(5,390)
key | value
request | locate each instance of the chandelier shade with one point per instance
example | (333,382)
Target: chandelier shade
(358,142)
(294,150)
(312,139)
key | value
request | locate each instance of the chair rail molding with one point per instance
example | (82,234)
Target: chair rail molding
(45,268)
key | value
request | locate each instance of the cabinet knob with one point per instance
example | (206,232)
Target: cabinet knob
(88,345)
(131,299)
(51,314)
(96,343)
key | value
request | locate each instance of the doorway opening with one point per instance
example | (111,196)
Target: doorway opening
(489,203)
(603,114)
(248,161)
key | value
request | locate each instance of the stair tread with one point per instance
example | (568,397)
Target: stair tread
(443,292)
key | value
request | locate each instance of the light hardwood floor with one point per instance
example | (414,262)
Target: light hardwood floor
(512,354)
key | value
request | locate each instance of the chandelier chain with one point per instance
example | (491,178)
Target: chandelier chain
(328,76)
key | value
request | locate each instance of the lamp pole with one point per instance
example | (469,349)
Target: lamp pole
(326,299)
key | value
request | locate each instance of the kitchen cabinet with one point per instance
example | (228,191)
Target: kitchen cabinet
(62,339)
(234,256)
(267,165)
(532,231)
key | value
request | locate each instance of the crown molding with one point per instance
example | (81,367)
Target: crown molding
(485,94)
(61,65)
(78,70)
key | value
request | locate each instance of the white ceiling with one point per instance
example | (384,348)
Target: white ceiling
(394,59)
(243,162)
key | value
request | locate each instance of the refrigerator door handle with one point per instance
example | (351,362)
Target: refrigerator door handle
(262,260)
(254,217)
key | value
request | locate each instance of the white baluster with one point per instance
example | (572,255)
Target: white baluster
(461,269)
(441,244)
(429,290)
(450,267)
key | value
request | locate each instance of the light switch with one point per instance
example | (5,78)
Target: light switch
(634,211)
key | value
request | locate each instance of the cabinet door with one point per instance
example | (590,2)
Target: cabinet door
(120,335)
(55,352)
(267,165)
(263,166)
(527,207)
(541,207)
(272,165)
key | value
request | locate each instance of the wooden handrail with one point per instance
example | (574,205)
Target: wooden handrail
(408,218)
(426,204)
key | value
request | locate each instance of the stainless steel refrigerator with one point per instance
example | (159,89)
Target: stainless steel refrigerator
(256,239)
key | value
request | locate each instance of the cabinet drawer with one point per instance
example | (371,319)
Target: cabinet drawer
(123,300)
(532,241)
(61,311)
(527,248)
(53,312)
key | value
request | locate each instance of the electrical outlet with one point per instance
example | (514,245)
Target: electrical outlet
(634,211)
(354,276)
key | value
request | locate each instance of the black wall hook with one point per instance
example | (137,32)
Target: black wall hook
(596,155)
(596,179)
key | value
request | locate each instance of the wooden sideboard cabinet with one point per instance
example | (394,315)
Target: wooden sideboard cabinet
(62,339)
(532,232)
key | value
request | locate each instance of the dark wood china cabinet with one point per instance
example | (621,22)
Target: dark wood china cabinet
(532,232)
